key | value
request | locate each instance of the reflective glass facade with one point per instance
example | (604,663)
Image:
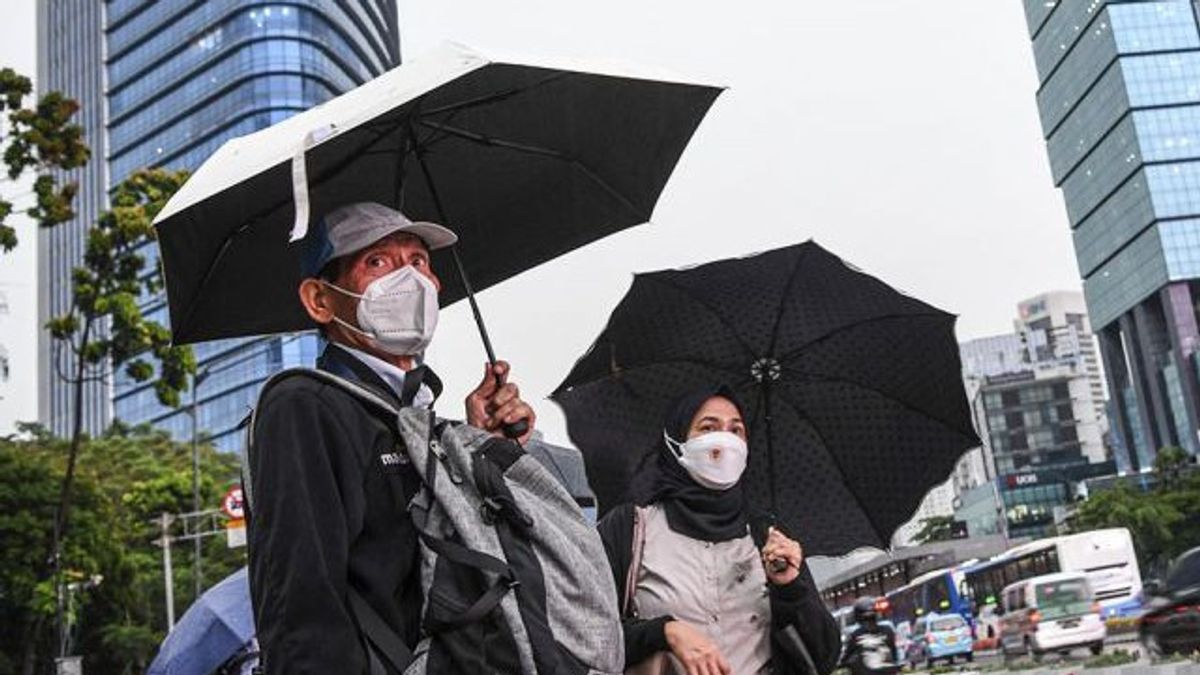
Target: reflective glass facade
(1119,100)
(70,47)
(182,78)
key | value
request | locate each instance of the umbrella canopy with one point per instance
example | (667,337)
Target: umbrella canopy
(525,159)
(853,390)
(213,629)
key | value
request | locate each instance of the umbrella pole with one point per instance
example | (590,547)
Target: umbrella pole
(419,151)
(520,427)
(766,396)
(462,276)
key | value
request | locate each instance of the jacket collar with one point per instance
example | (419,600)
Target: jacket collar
(342,363)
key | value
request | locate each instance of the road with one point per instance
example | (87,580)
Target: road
(993,663)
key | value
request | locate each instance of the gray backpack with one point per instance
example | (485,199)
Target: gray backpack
(514,578)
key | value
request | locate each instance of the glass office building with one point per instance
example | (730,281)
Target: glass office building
(1119,100)
(70,49)
(181,78)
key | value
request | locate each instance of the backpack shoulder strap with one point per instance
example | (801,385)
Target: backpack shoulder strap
(378,405)
(381,638)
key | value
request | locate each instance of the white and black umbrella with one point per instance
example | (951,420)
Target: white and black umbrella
(524,159)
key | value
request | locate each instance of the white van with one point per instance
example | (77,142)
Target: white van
(1050,613)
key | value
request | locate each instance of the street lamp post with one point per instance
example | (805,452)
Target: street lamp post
(164,522)
(197,378)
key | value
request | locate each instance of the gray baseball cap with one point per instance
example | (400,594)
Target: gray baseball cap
(351,228)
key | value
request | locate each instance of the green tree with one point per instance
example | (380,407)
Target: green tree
(39,139)
(934,528)
(1170,467)
(125,480)
(104,328)
(1164,521)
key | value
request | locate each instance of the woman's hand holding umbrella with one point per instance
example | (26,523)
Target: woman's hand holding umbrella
(782,558)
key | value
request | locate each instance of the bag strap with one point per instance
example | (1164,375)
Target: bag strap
(506,580)
(380,636)
(379,405)
(638,550)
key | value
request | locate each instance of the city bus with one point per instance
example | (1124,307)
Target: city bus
(1106,556)
(936,591)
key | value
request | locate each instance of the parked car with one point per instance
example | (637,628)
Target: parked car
(1050,613)
(939,637)
(1172,619)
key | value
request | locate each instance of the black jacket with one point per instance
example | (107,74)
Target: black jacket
(328,513)
(796,604)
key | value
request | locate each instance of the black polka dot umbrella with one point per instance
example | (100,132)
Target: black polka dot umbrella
(853,390)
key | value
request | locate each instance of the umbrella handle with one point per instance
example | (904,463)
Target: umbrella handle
(778,566)
(520,427)
(516,429)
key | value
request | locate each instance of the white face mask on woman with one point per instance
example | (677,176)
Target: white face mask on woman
(397,312)
(715,460)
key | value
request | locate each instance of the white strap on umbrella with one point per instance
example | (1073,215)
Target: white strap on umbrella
(300,179)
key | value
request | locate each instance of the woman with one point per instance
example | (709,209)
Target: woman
(697,595)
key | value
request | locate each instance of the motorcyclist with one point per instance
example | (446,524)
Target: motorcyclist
(871,648)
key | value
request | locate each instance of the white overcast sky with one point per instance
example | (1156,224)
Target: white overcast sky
(901,134)
(18,270)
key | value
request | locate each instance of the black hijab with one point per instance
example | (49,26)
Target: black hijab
(692,509)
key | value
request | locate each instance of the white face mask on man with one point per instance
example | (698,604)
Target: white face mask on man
(397,312)
(715,460)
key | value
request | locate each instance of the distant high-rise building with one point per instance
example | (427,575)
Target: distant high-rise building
(1054,328)
(179,78)
(1038,400)
(1119,99)
(1038,393)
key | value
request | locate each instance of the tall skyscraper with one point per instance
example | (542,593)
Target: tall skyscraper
(179,79)
(70,60)
(1119,99)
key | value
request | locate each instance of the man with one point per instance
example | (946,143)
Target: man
(871,648)
(331,485)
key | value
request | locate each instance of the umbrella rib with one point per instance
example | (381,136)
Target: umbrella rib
(888,397)
(489,141)
(884,317)
(249,224)
(787,291)
(712,310)
(640,366)
(495,97)
(833,457)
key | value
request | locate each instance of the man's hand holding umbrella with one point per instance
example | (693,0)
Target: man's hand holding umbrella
(496,403)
